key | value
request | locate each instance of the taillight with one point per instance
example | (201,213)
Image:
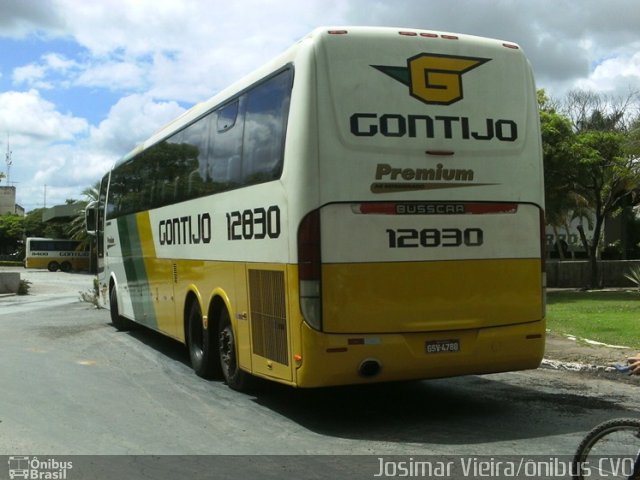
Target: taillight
(543,267)
(309,269)
(543,241)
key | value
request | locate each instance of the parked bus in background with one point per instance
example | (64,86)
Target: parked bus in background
(366,207)
(56,254)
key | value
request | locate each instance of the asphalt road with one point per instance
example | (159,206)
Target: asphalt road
(70,384)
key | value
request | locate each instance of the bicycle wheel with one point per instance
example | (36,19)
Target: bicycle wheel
(610,450)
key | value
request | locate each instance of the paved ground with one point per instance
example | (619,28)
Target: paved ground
(561,352)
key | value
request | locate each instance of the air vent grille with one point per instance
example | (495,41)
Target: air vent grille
(268,315)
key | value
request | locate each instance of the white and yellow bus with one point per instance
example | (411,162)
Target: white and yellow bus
(56,254)
(366,207)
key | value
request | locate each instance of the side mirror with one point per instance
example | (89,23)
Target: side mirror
(91,218)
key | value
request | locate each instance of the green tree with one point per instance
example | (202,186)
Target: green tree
(607,177)
(77,229)
(608,173)
(591,145)
(33,224)
(561,160)
(11,233)
(632,143)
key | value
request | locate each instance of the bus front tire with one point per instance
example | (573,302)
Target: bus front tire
(202,345)
(117,320)
(53,266)
(235,378)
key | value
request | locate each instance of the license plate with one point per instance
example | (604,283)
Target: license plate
(443,346)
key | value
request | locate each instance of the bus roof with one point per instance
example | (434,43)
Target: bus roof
(288,56)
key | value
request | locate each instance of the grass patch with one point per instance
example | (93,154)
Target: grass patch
(609,317)
(24,287)
(10,263)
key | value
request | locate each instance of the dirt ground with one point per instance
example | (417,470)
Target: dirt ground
(575,350)
(566,353)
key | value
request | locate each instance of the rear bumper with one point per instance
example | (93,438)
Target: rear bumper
(335,359)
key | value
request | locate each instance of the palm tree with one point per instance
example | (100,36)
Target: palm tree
(77,229)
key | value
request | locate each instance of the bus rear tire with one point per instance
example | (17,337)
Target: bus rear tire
(235,378)
(53,266)
(117,320)
(65,267)
(202,345)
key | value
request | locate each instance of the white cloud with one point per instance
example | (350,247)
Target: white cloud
(188,50)
(57,62)
(67,168)
(614,75)
(31,118)
(32,75)
(131,120)
(125,76)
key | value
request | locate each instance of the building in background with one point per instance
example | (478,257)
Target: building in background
(8,201)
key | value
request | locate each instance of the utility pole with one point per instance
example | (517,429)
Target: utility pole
(45,195)
(9,162)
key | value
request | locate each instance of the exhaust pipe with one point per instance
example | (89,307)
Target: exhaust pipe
(369,368)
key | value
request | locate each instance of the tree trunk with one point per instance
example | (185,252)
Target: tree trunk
(593,259)
(558,242)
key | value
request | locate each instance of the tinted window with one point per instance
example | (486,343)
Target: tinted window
(267,107)
(240,143)
(227,117)
(102,198)
(225,161)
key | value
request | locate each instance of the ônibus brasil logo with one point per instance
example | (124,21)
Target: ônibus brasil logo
(433,78)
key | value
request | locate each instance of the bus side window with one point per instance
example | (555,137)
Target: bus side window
(265,120)
(190,160)
(225,148)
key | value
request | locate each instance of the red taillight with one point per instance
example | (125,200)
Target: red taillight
(337,32)
(441,208)
(511,45)
(543,262)
(488,208)
(310,269)
(408,34)
(309,247)
(543,240)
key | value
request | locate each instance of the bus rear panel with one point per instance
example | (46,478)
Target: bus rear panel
(428,237)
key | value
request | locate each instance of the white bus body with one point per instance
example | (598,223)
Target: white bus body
(390,228)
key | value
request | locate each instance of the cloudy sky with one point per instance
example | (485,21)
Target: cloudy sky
(83,81)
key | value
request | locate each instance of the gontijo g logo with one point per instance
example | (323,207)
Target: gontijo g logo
(433,78)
